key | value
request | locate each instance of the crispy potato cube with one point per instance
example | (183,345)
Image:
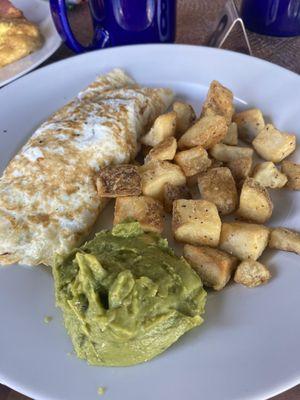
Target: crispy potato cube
(268,175)
(165,150)
(255,202)
(119,180)
(185,116)
(196,222)
(206,132)
(193,161)
(240,169)
(243,240)
(217,185)
(285,239)
(172,193)
(223,152)
(213,266)
(249,123)
(231,137)
(273,145)
(155,174)
(219,101)
(251,273)
(292,171)
(147,211)
(164,126)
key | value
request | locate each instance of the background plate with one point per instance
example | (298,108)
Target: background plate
(37,11)
(248,347)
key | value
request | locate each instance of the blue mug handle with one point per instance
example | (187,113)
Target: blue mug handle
(60,18)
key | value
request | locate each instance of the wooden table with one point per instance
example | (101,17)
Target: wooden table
(195,22)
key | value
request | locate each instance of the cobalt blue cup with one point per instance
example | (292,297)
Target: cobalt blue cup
(272,17)
(120,22)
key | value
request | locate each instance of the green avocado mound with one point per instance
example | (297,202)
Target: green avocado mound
(126,297)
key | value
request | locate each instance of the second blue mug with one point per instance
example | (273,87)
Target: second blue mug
(120,22)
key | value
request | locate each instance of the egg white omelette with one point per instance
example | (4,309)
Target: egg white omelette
(48,196)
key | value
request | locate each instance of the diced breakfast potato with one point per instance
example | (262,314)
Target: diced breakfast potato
(214,267)
(223,152)
(217,185)
(165,150)
(155,174)
(292,171)
(273,145)
(196,222)
(205,132)
(285,239)
(251,273)
(219,101)
(243,240)
(119,180)
(249,123)
(172,193)
(185,116)
(147,211)
(240,169)
(193,161)
(255,202)
(231,137)
(192,180)
(164,126)
(268,175)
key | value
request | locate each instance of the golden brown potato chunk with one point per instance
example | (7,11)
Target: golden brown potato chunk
(255,202)
(147,211)
(196,222)
(214,267)
(225,153)
(243,240)
(217,185)
(249,123)
(165,150)
(164,126)
(251,273)
(206,132)
(292,172)
(273,145)
(240,169)
(193,161)
(155,174)
(172,193)
(185,116)
(285,239)
(219,101)
(231,137)
(267,175)
(119,180)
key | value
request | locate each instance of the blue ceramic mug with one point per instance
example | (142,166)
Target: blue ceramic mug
(120,22)
(272,17)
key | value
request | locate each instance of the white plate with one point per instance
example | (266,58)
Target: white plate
(248,347)
(37,11)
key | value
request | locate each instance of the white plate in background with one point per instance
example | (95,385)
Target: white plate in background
(37,11)
(248,347)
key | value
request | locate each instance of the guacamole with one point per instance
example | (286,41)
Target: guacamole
(126,297)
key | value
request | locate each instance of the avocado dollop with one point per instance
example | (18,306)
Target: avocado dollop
(126,297)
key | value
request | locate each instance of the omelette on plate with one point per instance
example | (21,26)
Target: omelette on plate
(48,196)
(18,36)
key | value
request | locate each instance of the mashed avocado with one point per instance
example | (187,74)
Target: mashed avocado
(126,297)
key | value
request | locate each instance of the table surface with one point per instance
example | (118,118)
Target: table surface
(195,21)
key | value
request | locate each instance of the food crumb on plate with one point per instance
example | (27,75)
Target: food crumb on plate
(48,319)
(101,390)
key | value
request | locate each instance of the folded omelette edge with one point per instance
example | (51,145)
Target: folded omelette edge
(48,198)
